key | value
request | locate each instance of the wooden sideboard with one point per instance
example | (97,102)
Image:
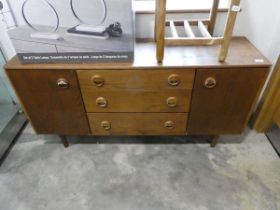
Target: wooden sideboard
(190,93)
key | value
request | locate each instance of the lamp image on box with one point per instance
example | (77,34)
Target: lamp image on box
(98,30)
(39,34)
(73,31)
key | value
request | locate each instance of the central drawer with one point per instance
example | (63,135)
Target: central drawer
(138,123)
(136,90)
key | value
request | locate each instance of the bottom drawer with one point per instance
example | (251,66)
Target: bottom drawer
(138,123)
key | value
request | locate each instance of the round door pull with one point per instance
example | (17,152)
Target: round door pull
(171,102)
(169,125)
(174,80)
(101,102)
(210,82)
(106,125)
(62,83)
(98,80)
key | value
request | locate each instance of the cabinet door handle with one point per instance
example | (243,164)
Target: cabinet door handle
(210,83)
(98,80)
(174,80)
(171,102)
(169,125)
(106,125)
(62,83)
(101,102)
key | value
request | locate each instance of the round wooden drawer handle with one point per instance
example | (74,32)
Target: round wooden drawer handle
(106,125)
(62,83)
(210,82)
(101,102)
(171,102)
(98,80)
(169,125)
(174,80)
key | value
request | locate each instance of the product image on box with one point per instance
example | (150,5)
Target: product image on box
(76,31)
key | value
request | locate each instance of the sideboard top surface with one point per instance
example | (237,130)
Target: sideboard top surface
(241,54)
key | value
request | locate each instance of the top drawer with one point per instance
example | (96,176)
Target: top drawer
(137,79)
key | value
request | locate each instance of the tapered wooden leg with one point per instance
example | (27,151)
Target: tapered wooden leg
(160,28)
(64,141)
(228,30)
(214,141)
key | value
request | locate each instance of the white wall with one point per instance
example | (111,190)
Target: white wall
(260,22)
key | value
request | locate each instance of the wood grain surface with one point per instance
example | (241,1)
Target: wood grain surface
(51,109)
(241,54)
(137,79)
(136,100)
(138,124)
(226,108)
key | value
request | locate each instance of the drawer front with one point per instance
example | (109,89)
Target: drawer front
(136,90)
(137,101)
(137,124)
(137,79)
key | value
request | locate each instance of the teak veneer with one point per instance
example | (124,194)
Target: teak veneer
(191,92)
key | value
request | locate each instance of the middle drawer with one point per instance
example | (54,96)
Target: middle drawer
(136,90)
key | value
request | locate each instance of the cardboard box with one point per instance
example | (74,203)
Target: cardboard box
(77,31)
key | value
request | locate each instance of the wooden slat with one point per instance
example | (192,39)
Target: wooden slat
(213,16)
(173,30)
(194,41)
(203,30)
(160,30)
(192,22)
(228,30)
(188,29)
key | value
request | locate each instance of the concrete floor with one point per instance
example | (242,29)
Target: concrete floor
(241,173)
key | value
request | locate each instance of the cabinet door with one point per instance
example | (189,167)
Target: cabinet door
(223,99)
(52,100)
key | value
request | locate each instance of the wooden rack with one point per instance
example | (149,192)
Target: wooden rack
(205,27)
